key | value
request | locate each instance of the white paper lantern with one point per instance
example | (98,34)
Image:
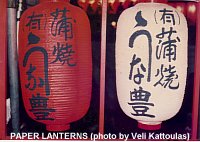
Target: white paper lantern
(151,62)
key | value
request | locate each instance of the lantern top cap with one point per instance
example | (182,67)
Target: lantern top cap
(54,1)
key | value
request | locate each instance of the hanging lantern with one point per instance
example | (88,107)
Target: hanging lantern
(116,5)
(99,7)
(92,7)
(151,63)
(94,4)
(135,1)
(180,6)
(111,8)
(128,3)
(83,4)
(55,63)
(191,13)
(111,1)
(120,8)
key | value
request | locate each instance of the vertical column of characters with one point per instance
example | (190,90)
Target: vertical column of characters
(139,98)
(36,69)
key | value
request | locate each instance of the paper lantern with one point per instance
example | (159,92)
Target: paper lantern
(151,63)
(115,6)
(120,8)
(191,13)
(99,7)
(92,7)
(55,63)
(83,4)
(128,3)
(180,6)
(111,7)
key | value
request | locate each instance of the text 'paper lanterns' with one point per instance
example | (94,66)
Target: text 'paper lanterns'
(55,63)
(151,62)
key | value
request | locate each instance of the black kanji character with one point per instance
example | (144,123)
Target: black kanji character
(139,102)
(64,54)
(137,77)
(167,16)
(34,21)
(31,77)
(168,77)
(40,108)
(169,45)
(61,24)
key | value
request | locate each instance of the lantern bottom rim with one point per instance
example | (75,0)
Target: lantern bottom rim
(149,126)
(57,127)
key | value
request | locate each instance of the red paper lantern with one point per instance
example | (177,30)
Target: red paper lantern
(126,4)
(112,7)
(83,4)
(115,5)
(99,7)
(55,63)
(93,3)
(191,13)
(180,6)
(92,7)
